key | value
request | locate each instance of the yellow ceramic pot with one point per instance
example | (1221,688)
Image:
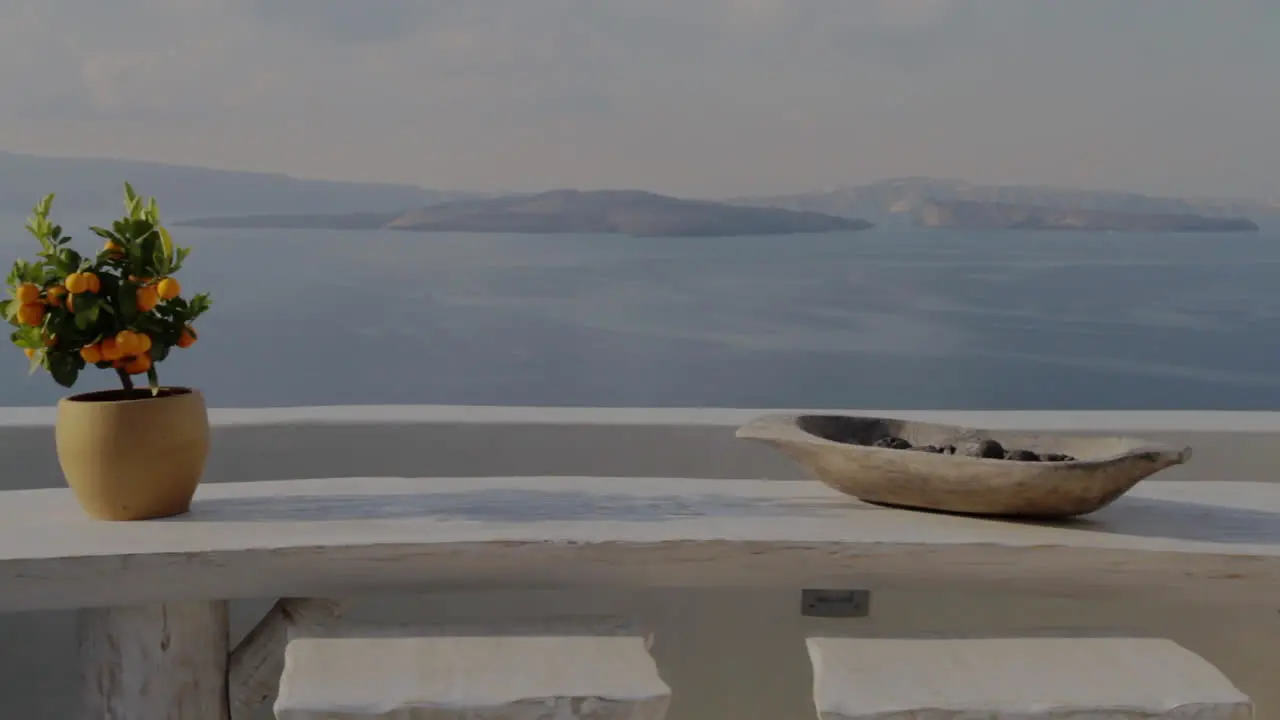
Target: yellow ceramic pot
(128,455)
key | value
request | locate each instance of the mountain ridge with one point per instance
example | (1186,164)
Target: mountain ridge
(899,200)
(86,186)
(91,186)
(627,212)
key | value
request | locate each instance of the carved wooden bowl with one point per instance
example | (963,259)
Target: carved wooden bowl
(839,450)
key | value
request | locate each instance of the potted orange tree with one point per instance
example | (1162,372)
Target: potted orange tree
(136,452)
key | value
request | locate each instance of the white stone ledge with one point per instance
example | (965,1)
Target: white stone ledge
(435,675)
(1019,679)
(1090,420)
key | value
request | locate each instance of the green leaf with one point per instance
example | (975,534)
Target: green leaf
(64,368)
(149,239)
(199,305)
(66,261)
(130,198)
(36,362)
(27,336)
(159,352)
(180,256)
(110,285)
(142,249)
(166,241)
(9,309)
(106,234)
(86,317)
(128,297)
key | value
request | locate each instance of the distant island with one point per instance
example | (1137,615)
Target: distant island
(901,201)
(626,212)
(973,215)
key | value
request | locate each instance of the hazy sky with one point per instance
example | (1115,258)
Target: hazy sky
(707,97)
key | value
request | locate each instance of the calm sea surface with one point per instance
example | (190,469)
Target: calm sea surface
(886,319)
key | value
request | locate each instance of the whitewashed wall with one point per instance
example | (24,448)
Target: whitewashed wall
(726,654)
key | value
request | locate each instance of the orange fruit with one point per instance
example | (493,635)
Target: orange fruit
(91,354)
(128,342)
(169,288)
(76,283)
(26,293)
(56,293)
(110,350)
(144,342)
(113,249)
(187,338)
(95,285)
(147,299)
(138,365)
(31,313)
(29,352)
(140,280)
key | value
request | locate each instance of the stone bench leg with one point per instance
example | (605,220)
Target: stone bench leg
(166,661)
(1023,678)
(255,665)
(346,673)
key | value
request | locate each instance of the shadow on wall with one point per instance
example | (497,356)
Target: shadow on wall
(284,452)
(488,449)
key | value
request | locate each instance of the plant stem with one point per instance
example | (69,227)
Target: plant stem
(125,380)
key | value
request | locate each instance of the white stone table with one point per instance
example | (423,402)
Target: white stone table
(1215,541)
(167,580)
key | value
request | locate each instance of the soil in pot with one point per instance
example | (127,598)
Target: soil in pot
(129,455)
